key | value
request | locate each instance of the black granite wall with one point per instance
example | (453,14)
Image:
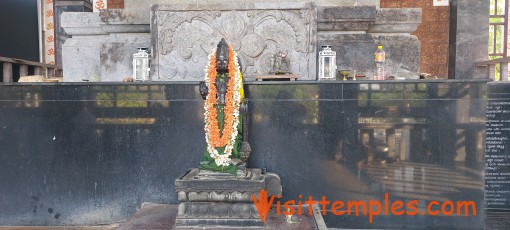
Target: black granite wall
(497,148)
(19,29)
(91,154)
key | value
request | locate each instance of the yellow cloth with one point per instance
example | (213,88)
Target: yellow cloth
(241,90)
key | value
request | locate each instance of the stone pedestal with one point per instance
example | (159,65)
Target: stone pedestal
(210,199)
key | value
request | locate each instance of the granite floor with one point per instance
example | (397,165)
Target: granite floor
(161,216)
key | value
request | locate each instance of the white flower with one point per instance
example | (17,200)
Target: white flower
(224,160)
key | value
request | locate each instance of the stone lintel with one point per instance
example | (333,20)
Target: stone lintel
(85,3)
(346,13)
(88,23)
(232,6)
(345,18)
(396,20)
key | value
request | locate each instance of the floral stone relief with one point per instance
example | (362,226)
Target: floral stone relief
(183,39)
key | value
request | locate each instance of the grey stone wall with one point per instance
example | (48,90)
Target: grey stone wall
(101,46)
(184,35)
(66,6)
(469,44)
(142,8)
(102,43)
(355,32)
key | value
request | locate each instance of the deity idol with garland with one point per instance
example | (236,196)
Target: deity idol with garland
(225,110)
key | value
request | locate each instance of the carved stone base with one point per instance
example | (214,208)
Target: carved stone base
(217,214)
(210,199)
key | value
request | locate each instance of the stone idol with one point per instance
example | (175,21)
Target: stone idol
(219,192)
(183,35)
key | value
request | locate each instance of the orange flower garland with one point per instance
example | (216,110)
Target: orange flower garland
(225,138)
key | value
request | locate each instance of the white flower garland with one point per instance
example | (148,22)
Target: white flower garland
(224,160)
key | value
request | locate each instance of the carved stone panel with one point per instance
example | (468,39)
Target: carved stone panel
(184,35)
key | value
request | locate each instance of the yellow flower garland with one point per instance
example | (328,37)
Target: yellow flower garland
(233,98)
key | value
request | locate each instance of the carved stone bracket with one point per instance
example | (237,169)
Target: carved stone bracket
(182,38)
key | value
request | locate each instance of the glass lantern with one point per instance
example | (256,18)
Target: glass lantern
(327,64)
(141,65)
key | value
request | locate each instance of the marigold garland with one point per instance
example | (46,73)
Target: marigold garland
(226,138)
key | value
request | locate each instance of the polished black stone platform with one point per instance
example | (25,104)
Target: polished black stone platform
(497,148)
(78,154)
